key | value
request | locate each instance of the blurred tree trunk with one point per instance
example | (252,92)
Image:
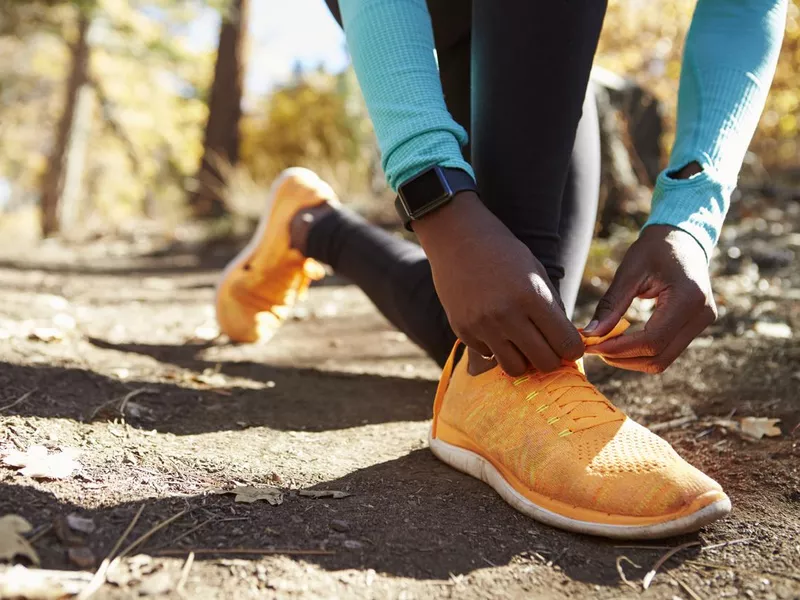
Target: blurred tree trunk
(54,177)
(631,125)
(221,145)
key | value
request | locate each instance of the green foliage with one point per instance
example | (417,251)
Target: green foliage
(318,122)
(645,41)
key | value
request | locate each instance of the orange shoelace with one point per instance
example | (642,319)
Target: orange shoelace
(570,392)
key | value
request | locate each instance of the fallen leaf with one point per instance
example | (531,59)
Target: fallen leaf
(46,334)
(81,557)
(773,330)
(37,463)
(156,585)
(758,427)
(206,333)
(250,494)
(211,378)
(38,584)
(12,544)
(324,494)
(82,524)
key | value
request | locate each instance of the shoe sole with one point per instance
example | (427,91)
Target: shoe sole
(244,255)
(478,467)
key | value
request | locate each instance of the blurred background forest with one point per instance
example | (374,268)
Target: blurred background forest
(118,115)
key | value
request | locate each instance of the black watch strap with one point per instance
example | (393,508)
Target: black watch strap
(430,190)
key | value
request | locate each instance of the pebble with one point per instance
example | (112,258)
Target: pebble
(339,525)
(353,544)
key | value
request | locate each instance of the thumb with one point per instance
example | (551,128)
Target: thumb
(613,305)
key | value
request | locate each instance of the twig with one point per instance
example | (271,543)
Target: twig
(19,400)
(652,573)
(185,573)
(723,544)
(123,402)
(708,565)
(99,577)
(192,530)
(39,534)
(265,551)
(686,588)
(679,422)
(145,536)
(625,580)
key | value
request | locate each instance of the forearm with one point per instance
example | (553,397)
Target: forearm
(392,47)
(728,64)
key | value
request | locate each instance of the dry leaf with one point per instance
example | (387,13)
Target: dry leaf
(36,462)
(773,330)
(249,494)
(324,494)
(82,524)
(12,544)
(758,427)
(211,378)
(38,584)
(46,334)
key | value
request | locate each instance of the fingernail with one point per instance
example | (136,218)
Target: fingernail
(591,326)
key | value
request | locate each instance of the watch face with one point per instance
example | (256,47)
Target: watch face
(426,188)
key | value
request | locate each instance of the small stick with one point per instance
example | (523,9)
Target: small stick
(625,580)
(99,577)
(723,544)
(145,536)
(686,588)
(19,400)
(192,530)
(185,573)
(124,401)
(39,534)
(648,579)
(265,551)
(679,422)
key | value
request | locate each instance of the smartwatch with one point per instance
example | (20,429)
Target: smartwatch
(430,190)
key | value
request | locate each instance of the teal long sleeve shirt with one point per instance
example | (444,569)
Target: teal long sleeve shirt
(729,61)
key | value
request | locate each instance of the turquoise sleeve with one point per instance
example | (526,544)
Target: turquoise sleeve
(728,64)
(392,47)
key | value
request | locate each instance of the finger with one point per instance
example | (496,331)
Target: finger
(614,303)
(550,320)
(508,356)
(473,343)
(673,311)
(529,340)
(660,363)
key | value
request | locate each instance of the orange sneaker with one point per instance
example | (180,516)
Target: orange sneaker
(259,287)
(559,452)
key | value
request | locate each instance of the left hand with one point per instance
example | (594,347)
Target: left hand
(669,265)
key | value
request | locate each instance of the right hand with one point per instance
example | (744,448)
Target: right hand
(497,296)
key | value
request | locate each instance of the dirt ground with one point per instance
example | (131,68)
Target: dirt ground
(340,401)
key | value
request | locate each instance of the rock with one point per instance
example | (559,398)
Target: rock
(81,557)
(339,525)
(352,544)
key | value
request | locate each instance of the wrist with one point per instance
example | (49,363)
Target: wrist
(464,208)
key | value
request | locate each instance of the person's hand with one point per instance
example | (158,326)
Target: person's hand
(498,297)
(667,264)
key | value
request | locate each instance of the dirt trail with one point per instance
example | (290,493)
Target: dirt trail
(340,401)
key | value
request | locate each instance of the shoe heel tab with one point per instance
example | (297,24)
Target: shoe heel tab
(444,381)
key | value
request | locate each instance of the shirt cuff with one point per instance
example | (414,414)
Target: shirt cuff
(432,148)
(697,205)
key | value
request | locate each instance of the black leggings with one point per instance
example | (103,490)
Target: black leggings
(515,75)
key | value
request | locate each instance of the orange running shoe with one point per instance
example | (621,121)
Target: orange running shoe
(559,452)
(259,287)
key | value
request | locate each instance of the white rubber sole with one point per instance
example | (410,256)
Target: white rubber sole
(472,464)
(261,230)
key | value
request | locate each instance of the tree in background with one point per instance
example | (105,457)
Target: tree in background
(221,145)
(65,163)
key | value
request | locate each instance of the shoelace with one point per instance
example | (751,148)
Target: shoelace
(578,399)
(570,392)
